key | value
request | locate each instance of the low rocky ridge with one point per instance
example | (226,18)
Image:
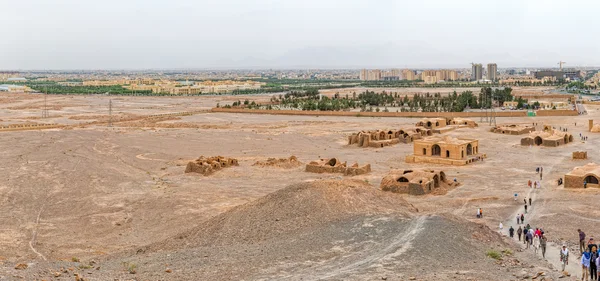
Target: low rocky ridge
(323,230)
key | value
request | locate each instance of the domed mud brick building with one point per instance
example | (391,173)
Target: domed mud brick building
(549,138)
(513,129)
(445,150)
(579,155)
(432,123)
(414,182)
(381,138)
(589,174)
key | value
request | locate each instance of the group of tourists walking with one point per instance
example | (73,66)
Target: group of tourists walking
(590,257)
(532,238)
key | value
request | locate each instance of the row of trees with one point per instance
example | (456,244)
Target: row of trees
(311,100)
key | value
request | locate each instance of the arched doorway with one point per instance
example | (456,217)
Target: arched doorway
(591,179)
(537,141)
(436,150)
(447,153)
(570,138)
(428,124)
(424,151)
(462,154)
(332,162)
(469,149)
(436,181)
(566,139)
(402,179)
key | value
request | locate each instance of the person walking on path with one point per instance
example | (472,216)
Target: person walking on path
(543,241)
(593,268)
(529,201)
(581,240)
(525,208)
(481,212)
(529,183)
(478,213)
(501,227)
(511,232)
(519,231)
(529,237)
(536,244)
(522,218)
(525,201)
(591,244)
(585,265)
(564,256)
(518,219)
(541,174)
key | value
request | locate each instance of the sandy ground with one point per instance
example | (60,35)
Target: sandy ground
(92,191)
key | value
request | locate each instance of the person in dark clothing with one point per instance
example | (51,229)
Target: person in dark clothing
(519,232)
(529,201)
(581,240)
(593,267)
(511,231)
(591,244)
(524,201)
(525,208)
(522,218)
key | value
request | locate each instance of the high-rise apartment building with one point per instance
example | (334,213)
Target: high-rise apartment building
(476,71)
(492,71)
(408,74)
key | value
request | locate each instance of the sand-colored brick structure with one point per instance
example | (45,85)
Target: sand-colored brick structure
(577,155)
(432,123)
(334,165)
(513,129)
(463,122)
(593,128)
(381,138)
(415,182)
(584,176)
(445,150)
(208,165)
(549,138)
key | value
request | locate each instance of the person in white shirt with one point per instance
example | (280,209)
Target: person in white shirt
(564,256)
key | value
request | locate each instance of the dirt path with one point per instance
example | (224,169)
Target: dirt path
(552,249)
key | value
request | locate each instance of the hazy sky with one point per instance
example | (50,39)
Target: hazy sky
(141,34)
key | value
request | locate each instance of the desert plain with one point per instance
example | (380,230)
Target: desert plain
(105,197)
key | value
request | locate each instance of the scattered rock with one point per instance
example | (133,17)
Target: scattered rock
(168,270)
(21,266)
(412,278)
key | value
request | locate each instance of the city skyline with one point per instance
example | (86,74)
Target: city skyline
(260,35)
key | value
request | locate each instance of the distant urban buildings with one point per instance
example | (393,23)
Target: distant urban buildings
(476,71)
(434,76)
(558,74)
(492,72)
(377,75)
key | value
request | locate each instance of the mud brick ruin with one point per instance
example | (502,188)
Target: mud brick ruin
(414,182)
(388,137)
(589,174)
(334,165)
(594,128)
(442,125)
(286,163)
(549,137)
(463,122)
(207,166)
(445,150)
(579,155)
(513,129)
